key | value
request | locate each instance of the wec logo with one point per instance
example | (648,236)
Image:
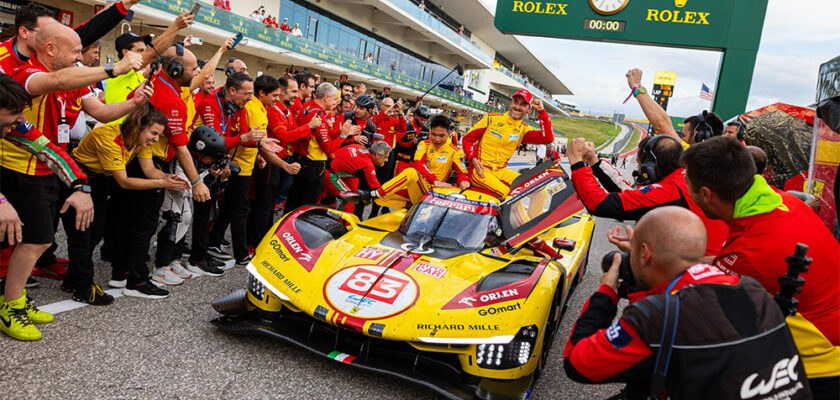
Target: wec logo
(784,372)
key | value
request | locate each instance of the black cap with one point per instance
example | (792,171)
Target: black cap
(125,40)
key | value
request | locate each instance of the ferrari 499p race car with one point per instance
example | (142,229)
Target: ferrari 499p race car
(459,293)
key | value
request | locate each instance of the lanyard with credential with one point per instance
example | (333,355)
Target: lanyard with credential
(225,119)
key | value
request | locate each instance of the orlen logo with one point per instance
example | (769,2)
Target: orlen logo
(783,372)
(292,242)
(498,295)
(531,182)
(296,247)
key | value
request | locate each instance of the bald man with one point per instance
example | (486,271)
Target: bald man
(723,329)
(59,91)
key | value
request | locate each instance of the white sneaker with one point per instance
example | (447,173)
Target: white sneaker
(117,284)
(179,270)
(166,276)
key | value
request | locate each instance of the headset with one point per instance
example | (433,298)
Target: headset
(742,129)
(703,130)
(229,68)
(227,106)
(176,69)
(649,171)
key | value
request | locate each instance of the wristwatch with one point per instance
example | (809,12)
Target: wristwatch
(109,69)
(84,188)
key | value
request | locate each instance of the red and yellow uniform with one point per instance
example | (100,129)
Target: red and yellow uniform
(45,114)
(319,145)
(493,140)
(430,164)
(10,59)
(283,127)
(764,230)
(251,117)
(167,98)
(103,150)
(390,127)
(351,168)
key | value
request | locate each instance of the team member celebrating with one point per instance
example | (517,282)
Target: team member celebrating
(353,168)
(491,142)
(268,173)
(764,228)
(104,154)
(313,151)
(661,182)
(434,163)
(360,116)
(415,133)
(390,123)
(23,220)
(32,17)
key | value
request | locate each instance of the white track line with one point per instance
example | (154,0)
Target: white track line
(70,305)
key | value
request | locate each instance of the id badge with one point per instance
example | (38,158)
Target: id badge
(64,133)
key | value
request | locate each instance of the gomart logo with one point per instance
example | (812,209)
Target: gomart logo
(370,292)
(278,248)
(499,310)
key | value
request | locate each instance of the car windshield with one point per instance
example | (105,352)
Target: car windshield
(447,228)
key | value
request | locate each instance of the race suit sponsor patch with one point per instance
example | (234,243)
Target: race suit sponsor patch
(617,336)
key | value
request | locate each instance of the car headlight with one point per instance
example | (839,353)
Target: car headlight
(256,287)
(511,355)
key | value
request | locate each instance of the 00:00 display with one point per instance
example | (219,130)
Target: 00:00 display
(603,25)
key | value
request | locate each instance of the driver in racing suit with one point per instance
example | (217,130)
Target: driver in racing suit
(491,142)
(434,162)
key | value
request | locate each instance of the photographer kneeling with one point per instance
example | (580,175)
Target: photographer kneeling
(690,330)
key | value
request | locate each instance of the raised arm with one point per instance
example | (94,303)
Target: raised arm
(545,134)
(653,112)
(100,24)
(164,40)
(210,66)
(72,78)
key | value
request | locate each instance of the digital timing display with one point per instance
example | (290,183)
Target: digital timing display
(603,25)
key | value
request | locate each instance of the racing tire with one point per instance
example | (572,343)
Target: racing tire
(552,324)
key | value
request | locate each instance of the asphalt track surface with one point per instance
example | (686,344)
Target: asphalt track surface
(167,349)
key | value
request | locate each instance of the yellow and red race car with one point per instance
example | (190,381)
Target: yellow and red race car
(460,293)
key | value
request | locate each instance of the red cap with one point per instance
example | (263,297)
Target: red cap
(525,94)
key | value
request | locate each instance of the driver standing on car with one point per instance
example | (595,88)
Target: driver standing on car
(727,335)
(490,143)
(434,162)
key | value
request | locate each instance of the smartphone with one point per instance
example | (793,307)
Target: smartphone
(196,41)
(236,40)
(196,6)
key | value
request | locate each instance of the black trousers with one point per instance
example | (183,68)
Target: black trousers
(266,183)
(81,244)
(138,210)
(233,212)
(307,184)
(202,212)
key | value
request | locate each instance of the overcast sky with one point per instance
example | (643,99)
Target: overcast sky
(798,36)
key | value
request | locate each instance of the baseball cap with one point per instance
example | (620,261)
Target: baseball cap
(525,94)
(125,40)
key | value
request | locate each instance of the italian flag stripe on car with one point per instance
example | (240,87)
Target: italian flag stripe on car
(341,357)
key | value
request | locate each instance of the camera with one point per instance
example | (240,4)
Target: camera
(221,163)
(172,219)
(626,281)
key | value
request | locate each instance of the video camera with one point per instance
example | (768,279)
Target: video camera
(626,281)
(223,162)
(172,219)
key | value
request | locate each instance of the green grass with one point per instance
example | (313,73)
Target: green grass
(593,131)
(634,141)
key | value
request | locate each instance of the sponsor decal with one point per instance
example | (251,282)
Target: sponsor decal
(278,248)
(431,270)
(496,134)
(296,247)
(531,182)
(341,357)
(538,7)
(442,159)
(498,295)
(467,300)
(370,292)
(499,310)
(617,336)
(370,253)
(701,271)
(513,138)
(782,374)
(281,277)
